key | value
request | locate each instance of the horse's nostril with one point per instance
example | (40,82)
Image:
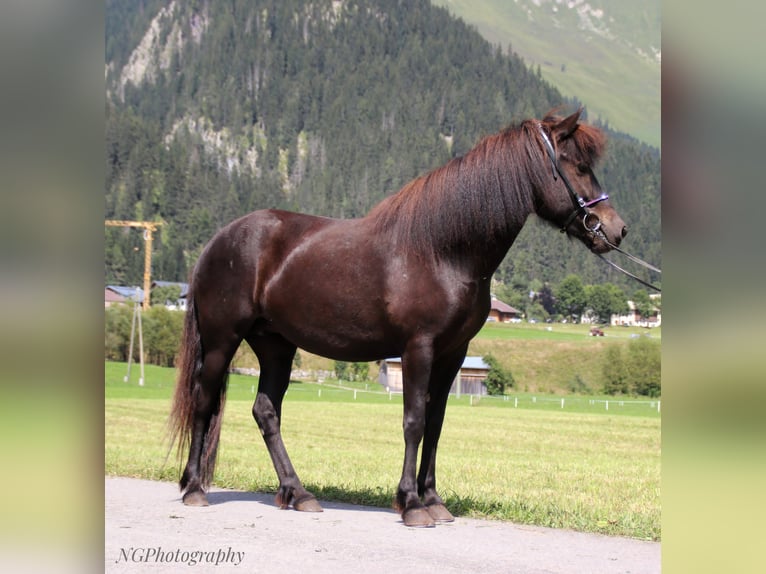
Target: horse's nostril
(624,231)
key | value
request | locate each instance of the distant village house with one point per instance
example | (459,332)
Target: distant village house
(502,312)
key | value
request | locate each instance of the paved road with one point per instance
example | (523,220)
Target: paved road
(147,529)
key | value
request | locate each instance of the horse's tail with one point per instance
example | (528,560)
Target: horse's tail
(186,396)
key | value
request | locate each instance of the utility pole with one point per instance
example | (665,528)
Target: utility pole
(149,228)
(136,316)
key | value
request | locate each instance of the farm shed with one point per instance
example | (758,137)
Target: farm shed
(502,312)
(469,381)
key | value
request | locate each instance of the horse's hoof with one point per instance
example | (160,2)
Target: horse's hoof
(195,498)
(308,505)
(418,518)
(440,513)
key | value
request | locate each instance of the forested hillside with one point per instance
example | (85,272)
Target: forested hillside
(215,109)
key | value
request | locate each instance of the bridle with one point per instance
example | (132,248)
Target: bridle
(590,221)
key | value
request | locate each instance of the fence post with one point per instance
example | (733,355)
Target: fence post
(607,404)
(516,402)
(562,403)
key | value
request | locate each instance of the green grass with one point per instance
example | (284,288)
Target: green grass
(553,358)
(581,467)
(559,332)
(606,73)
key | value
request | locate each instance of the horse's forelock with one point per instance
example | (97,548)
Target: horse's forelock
(590,141)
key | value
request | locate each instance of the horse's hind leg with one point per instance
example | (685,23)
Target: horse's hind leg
(208,396)
(275,356)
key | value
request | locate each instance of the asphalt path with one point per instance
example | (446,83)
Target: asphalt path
(148,529)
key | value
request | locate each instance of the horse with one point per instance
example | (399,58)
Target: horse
(411,279)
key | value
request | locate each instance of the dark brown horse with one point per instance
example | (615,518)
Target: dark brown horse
(411,279)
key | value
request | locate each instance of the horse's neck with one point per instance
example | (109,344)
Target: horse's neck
(488,257)
(467,212)
(490,244)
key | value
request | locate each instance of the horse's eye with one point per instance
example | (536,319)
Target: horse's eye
(582,169)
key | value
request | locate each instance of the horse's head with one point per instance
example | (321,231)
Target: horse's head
(572,198)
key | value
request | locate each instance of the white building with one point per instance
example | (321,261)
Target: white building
(633,319)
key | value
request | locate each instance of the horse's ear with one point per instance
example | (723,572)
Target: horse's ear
(567,126)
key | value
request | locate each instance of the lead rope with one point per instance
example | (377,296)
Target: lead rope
(629,274)
(632,258)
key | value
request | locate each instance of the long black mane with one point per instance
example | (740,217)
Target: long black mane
(479,198)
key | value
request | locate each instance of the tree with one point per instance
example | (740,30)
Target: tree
(352,371)
(606,300)
(546,298)
(633,369)
(535,311)
(117,323)
(360,371)
(570,297)
(162,335)
(615,372)
(644,367)
(341,370)
(164,295)
(643,304)
(498,378)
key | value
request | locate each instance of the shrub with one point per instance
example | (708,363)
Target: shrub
(117,322)
(644,367)
(498,379)
(614,370)
(634,369)
(352,371)
(161,330)
(578,385)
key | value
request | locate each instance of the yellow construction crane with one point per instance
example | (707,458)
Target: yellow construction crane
(149,228)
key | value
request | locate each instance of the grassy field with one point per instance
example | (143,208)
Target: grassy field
(524,458)
(553,358)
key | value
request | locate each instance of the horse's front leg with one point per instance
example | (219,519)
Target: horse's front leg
(416,371)
(442,375)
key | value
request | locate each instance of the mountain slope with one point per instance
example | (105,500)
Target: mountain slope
(216,109)
(606,52)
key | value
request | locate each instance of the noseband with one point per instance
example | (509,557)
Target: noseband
(590,220)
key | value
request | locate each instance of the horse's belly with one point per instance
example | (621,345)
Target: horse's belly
(337,338)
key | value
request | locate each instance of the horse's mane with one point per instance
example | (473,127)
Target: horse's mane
(480,198)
